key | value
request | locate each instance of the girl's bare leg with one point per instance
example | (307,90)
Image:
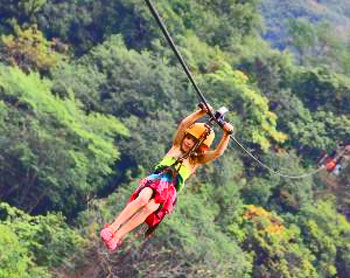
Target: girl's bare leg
(137,219)
(131,208)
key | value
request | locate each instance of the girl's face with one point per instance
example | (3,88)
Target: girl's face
(188,142)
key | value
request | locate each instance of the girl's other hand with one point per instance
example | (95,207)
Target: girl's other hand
(204,107)
(228,128)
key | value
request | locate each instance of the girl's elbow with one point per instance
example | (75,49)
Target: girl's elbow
(219,153)
(183,123)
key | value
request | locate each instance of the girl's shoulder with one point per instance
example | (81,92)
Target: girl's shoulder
(174,151)
(190,163)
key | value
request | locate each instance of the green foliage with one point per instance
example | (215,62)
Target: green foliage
(30,245)
(315,31)
(85,23)
(53,153)
(40,235)
(320,87)
(303,37)
(85,81)
(319,44)
(201,57)
(323,131)
(326,233)
(189,241)
(22,11)
(258,191)
(310,131)
(29,50)
(270,69)
(277,15)
(13,260)
(277,252)
(57,135)
(281,194)
(260,122)
(315,114)
(192,229)
(223,23)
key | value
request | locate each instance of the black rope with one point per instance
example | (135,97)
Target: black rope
(178,55)
(273,171)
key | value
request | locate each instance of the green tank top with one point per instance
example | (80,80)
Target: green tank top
(182,170)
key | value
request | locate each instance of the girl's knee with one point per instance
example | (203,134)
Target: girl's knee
(150,207)
(144,196)
(141,201)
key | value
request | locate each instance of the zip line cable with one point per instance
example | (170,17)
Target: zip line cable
(201,96)
(178,54)
(273,171)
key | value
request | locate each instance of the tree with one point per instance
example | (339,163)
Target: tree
(252,107)
(326,233)
(22,11)
(320,87)
(14,259)
(29,50)
(30,245)
(53,155)
(277,250)
(84,24)
(270,69)
(303,38)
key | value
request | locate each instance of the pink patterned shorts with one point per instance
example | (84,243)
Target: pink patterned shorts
(164,193)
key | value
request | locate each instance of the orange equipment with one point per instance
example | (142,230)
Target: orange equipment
(197,130)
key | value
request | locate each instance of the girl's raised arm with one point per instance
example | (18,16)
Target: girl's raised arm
(221,147)
(185,123)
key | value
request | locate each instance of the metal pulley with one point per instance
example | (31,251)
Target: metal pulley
(220,116)
(216,116)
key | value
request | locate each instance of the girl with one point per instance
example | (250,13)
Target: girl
(156,194)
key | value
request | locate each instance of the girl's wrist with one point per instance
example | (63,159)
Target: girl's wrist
(201,112)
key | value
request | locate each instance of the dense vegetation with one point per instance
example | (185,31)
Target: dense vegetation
(90,96)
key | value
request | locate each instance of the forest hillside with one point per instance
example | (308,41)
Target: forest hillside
(91,96)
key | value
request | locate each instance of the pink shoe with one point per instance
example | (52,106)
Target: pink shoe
(106,233)
(113,244)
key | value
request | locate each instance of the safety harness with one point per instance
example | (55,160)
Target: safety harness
(175,167)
